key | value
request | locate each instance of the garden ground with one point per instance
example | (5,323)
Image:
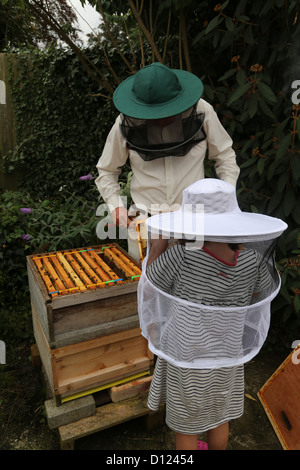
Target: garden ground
(24,425)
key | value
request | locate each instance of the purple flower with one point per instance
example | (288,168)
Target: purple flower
(86,177)
(26,237)
(26,210)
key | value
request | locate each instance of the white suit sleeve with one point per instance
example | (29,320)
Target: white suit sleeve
(219,145)
(113,158)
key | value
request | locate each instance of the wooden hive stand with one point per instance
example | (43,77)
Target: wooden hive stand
(280,397)
(109,415)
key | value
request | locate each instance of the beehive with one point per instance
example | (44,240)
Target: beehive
(85,320)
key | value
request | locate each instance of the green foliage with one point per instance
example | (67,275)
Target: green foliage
(61,125)
(248,52)
(33,226)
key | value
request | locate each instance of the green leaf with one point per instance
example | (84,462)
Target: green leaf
(252,105)
(274,202)
(261,165)
(224,5)
(212,24)
(240,8)
(267,6)
(249,35)
(283,147)
(241,77)
(282,181)
(282,126)
(288,201)
(248,162)
(229,24)
(266,92)
(247,145)
(239,93)
(297,303)
(227,74)
(295,164)
(266,110)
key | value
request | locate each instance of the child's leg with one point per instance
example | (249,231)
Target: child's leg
(186,441)
(218,437)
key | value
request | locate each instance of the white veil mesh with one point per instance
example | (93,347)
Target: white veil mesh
(192,335)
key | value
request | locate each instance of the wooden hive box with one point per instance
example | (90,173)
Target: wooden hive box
(83,293)
(280,397)
(85,320)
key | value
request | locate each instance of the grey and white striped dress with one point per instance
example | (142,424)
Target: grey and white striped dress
(201,399)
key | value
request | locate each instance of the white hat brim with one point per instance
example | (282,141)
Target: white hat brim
(225,227)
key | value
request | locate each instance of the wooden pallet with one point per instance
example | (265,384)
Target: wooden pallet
(106,417)
(280,397)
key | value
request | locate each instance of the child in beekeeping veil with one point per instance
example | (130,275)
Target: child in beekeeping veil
(204,306)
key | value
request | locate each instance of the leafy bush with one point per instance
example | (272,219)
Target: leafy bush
(61,120)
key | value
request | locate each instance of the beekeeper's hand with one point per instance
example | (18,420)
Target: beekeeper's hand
(120,217)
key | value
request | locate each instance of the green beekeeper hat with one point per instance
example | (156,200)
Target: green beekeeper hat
(157,92)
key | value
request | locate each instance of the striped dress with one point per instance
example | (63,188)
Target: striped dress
(201,399)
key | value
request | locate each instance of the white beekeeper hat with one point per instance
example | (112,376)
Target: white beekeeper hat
(210,211)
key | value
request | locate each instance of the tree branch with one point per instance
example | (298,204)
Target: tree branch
(88,65)
(185,41)
(112,38)
(145,31)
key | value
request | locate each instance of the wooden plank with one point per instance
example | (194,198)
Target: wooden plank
(95,343)
(87,282)
(55,277)
(130,389)
(88,314)
(66,279)
(39,298)
(38,282)
(106,416)
(100,358)
(45,276)
(109,291)
(127,261)
(103,276)
(75,278)
(280,397)
(100,377)
(112,275)
(99,361)
(42,345)
(92,332)
(126,270)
